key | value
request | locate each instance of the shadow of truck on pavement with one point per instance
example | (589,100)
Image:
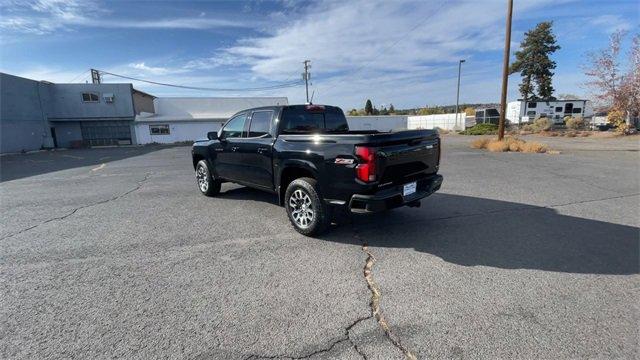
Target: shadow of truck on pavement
(471,231)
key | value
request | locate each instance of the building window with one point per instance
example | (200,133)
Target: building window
(558,108)
(577,110)
(159,129)
(90,97)
(531,113)
(532,105)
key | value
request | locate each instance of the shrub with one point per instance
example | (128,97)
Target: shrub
(480,143)
(574,123)
(534,147)
(616,118)
(481,129)
(497,146)
(515,146)
(509,144)
(542,124)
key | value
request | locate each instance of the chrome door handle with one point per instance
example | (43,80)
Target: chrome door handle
(235,148)
(262,150)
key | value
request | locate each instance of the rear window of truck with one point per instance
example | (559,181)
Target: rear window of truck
(313,119)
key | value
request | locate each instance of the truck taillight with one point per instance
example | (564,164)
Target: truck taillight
(366,169)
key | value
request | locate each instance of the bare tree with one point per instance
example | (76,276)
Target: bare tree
(630,85)
(603,69)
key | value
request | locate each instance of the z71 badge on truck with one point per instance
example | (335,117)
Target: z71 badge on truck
(308,157)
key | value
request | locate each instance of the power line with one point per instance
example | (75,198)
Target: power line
(77,76)
(417,25)
(272,87)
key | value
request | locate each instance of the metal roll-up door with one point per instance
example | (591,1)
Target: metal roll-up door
(101,133)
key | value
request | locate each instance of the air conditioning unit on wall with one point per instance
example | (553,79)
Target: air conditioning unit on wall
(108,98)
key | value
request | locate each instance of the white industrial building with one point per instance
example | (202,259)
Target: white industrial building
(377,122)
(521,111)
(404,122)
(178,119)
(440,121)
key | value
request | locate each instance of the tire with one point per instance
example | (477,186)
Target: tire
(306,211)
(205,182)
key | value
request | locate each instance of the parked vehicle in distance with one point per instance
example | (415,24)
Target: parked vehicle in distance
(308,157)
(487,116)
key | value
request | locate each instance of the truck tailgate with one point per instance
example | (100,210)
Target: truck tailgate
(408,159)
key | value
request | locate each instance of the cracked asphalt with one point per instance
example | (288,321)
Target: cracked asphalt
(113,253)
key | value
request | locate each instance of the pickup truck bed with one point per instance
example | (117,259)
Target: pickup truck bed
(358,171)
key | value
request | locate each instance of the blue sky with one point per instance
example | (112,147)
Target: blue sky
(400,52)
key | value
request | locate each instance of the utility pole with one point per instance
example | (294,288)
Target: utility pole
(306,76)
(505,71)
(458,94)
(95,76)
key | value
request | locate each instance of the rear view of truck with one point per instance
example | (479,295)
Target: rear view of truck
(308,156)
(399,169)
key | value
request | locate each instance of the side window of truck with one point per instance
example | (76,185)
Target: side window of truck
(234,128)
(260,123)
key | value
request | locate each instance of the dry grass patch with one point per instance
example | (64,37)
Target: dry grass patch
(480,143)
(511,144)
(534,147)
(497,146)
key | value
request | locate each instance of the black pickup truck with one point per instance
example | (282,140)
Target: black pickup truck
(308,157)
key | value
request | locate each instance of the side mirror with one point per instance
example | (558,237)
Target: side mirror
(212,135)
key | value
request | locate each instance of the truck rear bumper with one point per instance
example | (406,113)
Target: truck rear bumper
(392,197)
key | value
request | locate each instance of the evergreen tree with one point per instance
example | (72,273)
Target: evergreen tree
(534,64)
(368,107)
(392,110)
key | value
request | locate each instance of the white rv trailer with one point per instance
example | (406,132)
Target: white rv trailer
(527,111)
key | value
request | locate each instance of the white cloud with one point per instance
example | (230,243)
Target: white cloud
(154,70)
(398,51)
(47,16)
(611,23)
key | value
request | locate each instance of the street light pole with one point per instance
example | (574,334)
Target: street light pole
(458,94)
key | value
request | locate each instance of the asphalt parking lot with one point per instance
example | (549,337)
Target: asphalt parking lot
(114,253)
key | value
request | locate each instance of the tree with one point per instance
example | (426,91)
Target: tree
(368,107)
(353,112)
(469,111)
(568,97)
(534,64)
(614,90)
(630,87)
(392,110)
(603,69)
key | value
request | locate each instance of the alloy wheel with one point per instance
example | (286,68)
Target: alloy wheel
(203,180)
(301,208)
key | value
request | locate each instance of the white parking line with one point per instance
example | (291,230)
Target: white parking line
(99,167)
